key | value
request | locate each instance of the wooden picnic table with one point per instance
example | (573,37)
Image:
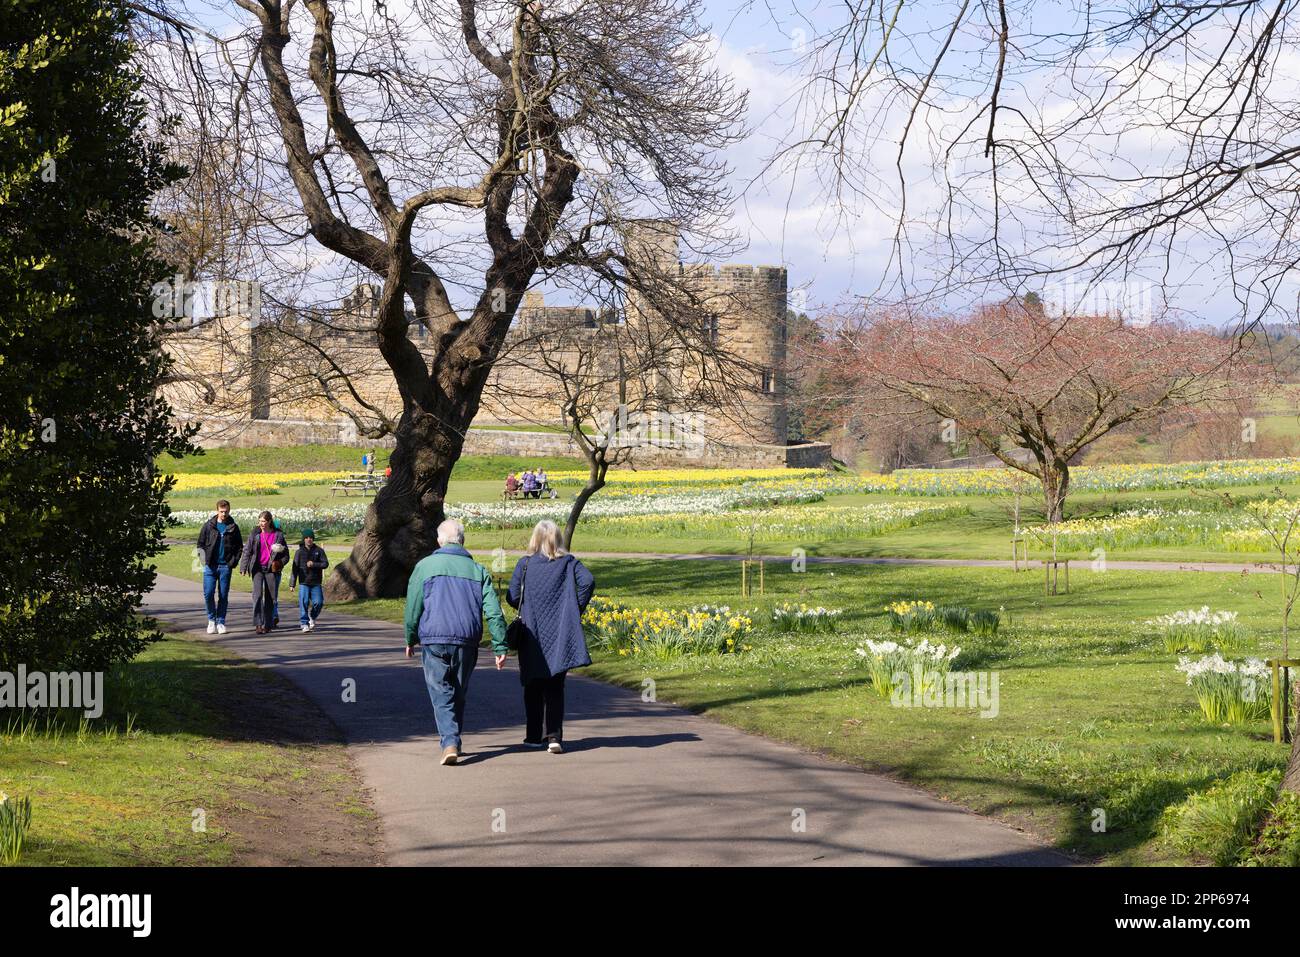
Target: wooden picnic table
(544,492)
(359,482)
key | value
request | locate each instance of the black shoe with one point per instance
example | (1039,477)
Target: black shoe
(534,744)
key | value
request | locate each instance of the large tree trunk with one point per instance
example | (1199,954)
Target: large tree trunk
(401,525)
(1291,780)
(1056,485)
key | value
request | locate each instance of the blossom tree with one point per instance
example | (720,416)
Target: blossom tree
(1035,390)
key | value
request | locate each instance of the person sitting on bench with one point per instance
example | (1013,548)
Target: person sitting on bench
(544,486)
(530,484)
(512,486)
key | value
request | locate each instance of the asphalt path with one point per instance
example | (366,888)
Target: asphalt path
(640,782)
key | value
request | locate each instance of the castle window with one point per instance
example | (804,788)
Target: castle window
(769,381)
(711,328)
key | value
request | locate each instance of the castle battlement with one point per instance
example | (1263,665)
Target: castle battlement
(732,272)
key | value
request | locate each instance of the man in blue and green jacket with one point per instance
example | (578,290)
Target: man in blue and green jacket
(446,601)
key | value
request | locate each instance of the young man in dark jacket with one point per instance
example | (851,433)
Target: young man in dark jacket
(446,600)
(308,565)
(219,548)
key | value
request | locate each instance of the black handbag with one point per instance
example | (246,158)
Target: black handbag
(517,629)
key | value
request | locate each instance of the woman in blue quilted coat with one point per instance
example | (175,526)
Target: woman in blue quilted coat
(551,589)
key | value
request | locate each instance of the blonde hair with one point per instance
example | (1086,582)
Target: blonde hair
(546,539)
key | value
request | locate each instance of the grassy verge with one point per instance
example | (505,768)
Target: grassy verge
(189,737)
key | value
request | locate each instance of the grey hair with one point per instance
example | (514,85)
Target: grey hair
(451,532)
(547,540)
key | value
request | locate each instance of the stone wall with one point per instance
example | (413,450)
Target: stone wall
(522,445)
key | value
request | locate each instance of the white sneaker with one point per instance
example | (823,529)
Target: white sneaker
(311,624)
(212,628)
(304,629)
(554,746)
(221,629)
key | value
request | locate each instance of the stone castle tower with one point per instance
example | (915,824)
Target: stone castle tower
(744,308)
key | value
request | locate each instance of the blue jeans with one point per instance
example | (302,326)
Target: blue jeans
(311,598)
(446,673)
(216,591)
(275,605)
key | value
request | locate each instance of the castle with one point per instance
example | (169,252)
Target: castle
(249,382)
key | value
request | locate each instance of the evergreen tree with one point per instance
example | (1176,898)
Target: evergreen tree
(81,418)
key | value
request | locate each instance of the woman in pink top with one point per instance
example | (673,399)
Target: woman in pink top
(264,556)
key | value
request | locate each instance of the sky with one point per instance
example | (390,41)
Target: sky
(839,250)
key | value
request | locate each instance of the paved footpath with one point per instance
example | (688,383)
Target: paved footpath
(640,783)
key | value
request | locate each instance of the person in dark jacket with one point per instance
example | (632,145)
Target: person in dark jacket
(220,545)
(551,589)
(264,556)
(447,598)
(309,565)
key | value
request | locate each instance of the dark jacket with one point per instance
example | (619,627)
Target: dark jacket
(555,593)
(209,538)
(250,564)
(448,597)
(301,574)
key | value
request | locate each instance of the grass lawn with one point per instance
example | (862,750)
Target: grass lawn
(1091,715)
(334,458)
(186,727)
(983,532)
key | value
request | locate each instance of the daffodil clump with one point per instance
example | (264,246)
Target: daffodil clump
(1153,525)
(1131,528)
(1201,630)
(787,617)
(991,481)
(914,616)
(246,483)
(15,819)
(821,523)
(889,661)
(1229,692)
(1271,522)
(341,519)
(693,503)
(664,633)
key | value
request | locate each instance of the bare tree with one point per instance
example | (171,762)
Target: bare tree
(1010,376)
(455,154)
(1148,142)
(639,374)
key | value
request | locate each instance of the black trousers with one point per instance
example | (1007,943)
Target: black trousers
(544,703)
(264,597)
